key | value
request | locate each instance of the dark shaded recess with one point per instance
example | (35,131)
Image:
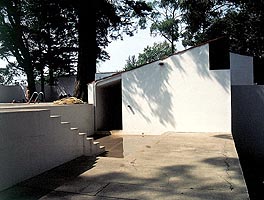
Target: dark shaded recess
(258,70)
(219,57)
(112,104)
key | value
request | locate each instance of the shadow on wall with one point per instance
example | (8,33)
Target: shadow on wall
(150,83)
(248,133)
(155,84)
(200,60)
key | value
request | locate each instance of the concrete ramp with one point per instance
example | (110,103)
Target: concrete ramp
(170,166)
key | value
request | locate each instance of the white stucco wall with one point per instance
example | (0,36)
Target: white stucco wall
(80,116)
(31,142)
(10,93)
(241,69)
(90,88)
(182,95)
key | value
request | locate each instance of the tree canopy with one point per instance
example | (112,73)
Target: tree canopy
(39,35)
(194,22)
(60,35)
(150,54)
(65,35)
(241,21)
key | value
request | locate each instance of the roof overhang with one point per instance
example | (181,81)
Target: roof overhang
(108,81)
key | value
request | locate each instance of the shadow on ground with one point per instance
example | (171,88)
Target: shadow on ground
(253,170)
(38,186)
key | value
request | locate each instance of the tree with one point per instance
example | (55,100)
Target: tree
(47,33)
(9,73)
(240,21)
(166,20)
(39,34)
(150,54)
(107,20)
(13,37)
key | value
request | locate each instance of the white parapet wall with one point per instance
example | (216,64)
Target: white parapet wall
(79,115)
(179,93)
(32,142)
(11,93)
(241,69)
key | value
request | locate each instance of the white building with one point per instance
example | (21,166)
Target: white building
(189,91)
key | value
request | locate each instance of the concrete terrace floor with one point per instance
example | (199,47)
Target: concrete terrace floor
(180,166)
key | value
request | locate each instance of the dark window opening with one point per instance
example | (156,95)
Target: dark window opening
(219,57)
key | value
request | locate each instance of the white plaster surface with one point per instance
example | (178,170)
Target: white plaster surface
(241,69)
(90,93)
(79,115)
(10,93)
(182,95)
(32,142)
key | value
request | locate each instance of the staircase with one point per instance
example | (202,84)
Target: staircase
(89,146)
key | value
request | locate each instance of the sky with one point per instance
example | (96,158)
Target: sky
(120,50)
(2,63)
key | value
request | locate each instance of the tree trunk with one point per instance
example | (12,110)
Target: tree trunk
(87,50)
(31,81)
(42,81)
(51,77)
(172,47)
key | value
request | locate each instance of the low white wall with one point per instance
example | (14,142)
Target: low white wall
(80,116)
(10,93)
(248,120)
(31,142)
(241,69)
(182,95)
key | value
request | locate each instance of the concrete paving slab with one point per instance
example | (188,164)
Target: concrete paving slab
(71,196)
(193,166)
(129,191)
(23,193)
(82,186)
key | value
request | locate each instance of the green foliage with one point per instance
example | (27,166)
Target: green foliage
(9,74)
(39,34)
(165,20)
(240,21)
(150,54)
(116,18)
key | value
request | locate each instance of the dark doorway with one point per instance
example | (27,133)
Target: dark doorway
(109,106)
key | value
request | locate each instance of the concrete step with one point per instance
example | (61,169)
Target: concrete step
(82,134)
(55,116)
(56,119)
(93,148)
(90,140)
(65,122)
(101,150)
(102,133)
